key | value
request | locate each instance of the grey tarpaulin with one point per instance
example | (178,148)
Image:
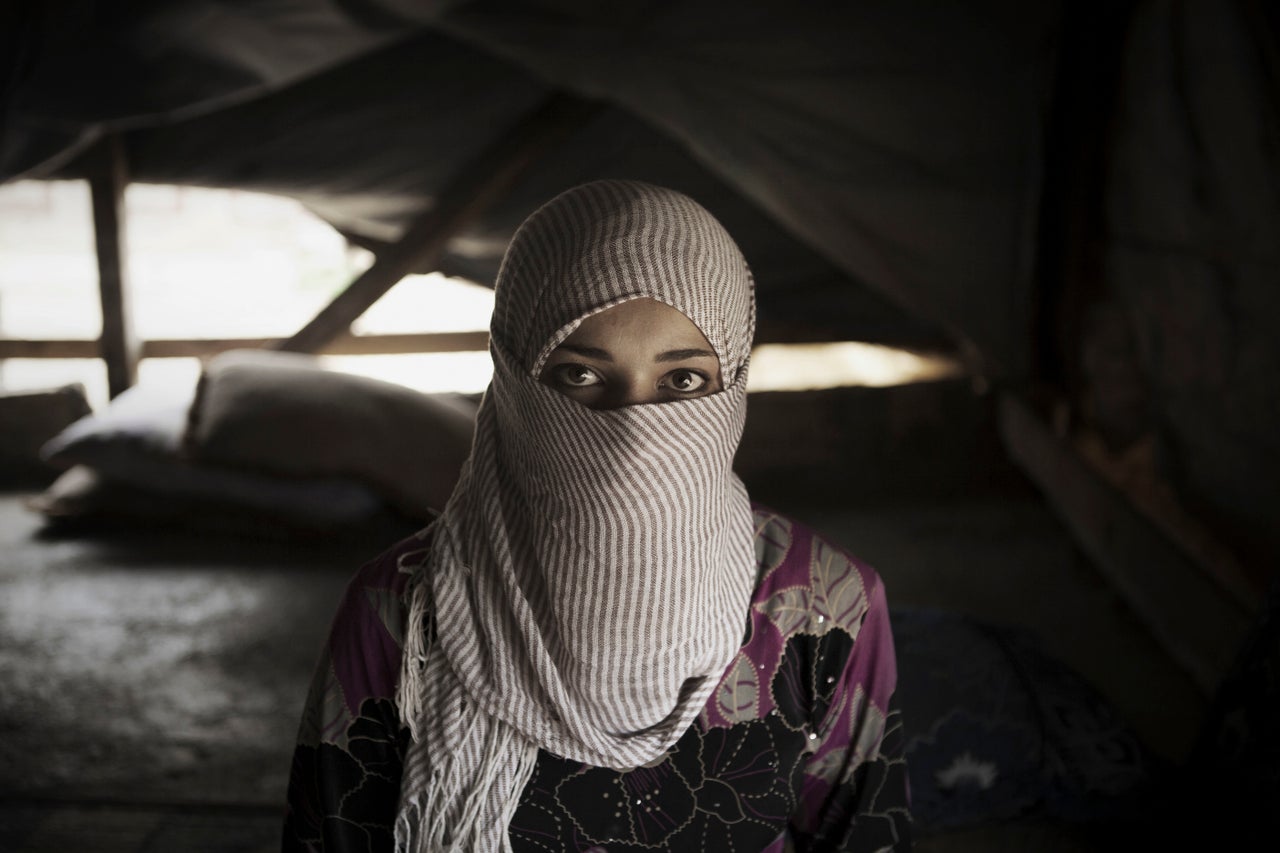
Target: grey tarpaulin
(895,144)
(882,163)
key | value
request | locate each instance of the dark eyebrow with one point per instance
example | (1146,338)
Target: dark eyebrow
(589,352)
(682,354)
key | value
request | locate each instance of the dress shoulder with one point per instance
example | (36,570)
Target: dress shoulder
(806,583)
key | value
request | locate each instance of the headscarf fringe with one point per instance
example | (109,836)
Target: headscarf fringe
(411,690)
(424,824)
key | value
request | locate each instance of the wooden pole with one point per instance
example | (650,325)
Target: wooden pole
(118,345)
(1070,240)
(482,182)
(344,344)
(1199,622)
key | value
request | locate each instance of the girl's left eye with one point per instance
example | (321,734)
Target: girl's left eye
(685,381)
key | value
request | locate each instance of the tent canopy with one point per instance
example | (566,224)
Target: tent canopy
(1095,181)
(879,162)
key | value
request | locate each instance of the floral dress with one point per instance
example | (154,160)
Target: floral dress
(798,748)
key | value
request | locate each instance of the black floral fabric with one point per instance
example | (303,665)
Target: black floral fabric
(799,748)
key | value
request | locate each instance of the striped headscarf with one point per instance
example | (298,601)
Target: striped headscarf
(589,580)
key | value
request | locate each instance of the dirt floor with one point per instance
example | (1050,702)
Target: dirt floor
(150,683)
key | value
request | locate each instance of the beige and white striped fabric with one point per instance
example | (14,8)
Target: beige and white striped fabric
(590,577)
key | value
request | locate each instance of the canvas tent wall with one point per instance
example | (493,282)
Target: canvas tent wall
(1079,193)
(903,152)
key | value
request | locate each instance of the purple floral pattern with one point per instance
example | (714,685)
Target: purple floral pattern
(799,746)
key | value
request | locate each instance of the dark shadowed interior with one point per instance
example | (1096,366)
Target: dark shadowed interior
(1077,204)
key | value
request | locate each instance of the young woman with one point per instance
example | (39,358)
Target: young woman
(601,644)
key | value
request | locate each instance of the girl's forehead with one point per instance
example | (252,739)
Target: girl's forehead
(630,319)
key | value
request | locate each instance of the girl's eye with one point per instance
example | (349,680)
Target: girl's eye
(685,381)
(575,375)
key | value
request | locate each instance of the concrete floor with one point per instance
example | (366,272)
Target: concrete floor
(150,684)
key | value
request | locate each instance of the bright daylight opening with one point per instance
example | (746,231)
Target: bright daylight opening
(207,263)
(804,367)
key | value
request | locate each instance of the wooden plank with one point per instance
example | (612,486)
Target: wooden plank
(346,344)
(1198,623)
(1070,240)
(473,191)
(12,348)
(118,344)
(1135,472)
(349,344)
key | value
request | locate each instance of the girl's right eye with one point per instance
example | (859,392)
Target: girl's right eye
(575,375)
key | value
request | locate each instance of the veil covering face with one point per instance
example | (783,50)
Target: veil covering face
(588,582)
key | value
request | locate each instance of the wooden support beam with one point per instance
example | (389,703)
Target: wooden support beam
(1077,142)
(118,345)
(473,191)
(1199,623)
(51,348)
(345,344)
(397,344)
